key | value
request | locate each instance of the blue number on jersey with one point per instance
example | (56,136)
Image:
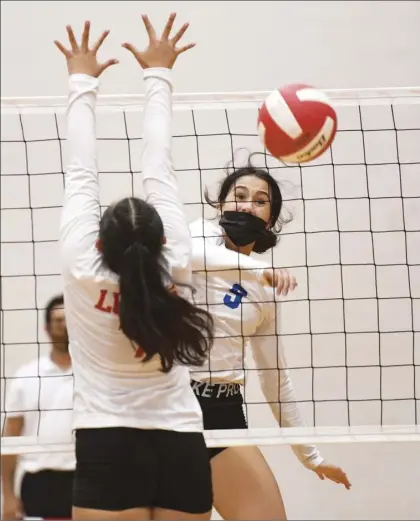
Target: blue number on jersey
(234,302)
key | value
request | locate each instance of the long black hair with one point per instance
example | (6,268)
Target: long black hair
(151,314)
(270,237)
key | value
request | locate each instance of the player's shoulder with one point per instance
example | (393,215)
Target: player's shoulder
(205,228)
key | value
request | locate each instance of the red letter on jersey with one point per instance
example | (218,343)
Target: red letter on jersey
(116,308)
(101,302)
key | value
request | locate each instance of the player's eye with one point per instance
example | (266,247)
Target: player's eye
(261,202)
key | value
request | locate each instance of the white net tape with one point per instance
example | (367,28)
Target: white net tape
(223,100)
(240,438)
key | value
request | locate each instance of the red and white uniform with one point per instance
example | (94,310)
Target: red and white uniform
(113,387)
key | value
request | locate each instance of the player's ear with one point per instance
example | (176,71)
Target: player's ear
(164,240)
(98,245)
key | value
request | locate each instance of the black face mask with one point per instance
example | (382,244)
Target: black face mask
(242,228)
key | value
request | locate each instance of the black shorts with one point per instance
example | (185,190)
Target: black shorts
(47,494)
(121,468)
(222,406)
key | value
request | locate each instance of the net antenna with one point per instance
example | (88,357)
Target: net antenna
(350,331)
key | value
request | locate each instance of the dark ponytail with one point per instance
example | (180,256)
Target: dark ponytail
(151,315)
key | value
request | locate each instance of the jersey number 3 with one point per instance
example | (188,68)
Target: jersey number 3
(234,298)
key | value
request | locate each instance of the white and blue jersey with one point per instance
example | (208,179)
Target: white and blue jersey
(230,286)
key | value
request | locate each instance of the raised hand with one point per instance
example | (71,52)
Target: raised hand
(82,59)
(163,51)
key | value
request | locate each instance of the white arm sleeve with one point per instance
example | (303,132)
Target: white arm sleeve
(277,387)
(159,180)
(80,214)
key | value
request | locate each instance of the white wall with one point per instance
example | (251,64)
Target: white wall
(241,46)
(385,477)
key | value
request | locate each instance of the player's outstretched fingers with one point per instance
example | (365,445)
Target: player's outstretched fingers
(85,37)
(149,28)
(72,39)
(82,60)
(107,64)
(138,55)
(179,34)
(130,47)
(160,52)
(185,48)
(100,41)
(62,49)
(168,27)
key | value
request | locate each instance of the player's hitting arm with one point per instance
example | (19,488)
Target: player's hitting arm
(278,390)
(211,254)
(159,179)
(81,212)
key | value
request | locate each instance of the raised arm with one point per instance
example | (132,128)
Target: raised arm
(159,179)
(81,213)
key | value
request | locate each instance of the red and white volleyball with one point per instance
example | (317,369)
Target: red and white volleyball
(297,123)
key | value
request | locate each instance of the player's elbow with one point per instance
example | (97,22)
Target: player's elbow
(179,257)
(181,271)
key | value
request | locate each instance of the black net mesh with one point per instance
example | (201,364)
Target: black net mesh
(350,330)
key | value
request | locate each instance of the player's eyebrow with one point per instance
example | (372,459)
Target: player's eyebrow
(263,192)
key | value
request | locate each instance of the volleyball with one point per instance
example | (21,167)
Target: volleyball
(297,123)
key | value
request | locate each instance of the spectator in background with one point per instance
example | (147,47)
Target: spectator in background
(39,401)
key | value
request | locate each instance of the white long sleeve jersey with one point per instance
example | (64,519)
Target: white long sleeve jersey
(113,387)
(244,311)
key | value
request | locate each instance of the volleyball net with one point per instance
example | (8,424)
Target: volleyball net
(351,329)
